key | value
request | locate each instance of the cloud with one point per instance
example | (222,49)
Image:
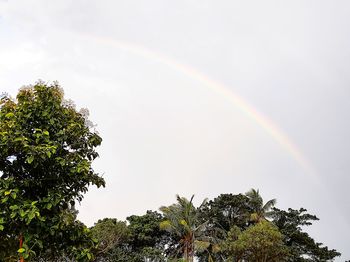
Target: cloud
(164,132)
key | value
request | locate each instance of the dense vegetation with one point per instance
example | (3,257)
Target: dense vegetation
(46,151)
(228,228)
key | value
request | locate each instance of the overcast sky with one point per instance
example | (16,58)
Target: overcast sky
(165,130)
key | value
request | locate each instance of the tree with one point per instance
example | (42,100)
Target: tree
(223,213)
(139,240)
(147,240)
(302,247)
(46,152)
(182,219)
(260,210)
(109,233)
(227,210)
(261,242)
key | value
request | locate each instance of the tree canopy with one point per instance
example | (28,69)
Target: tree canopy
(218,230)
(46,152)
(182,220)
(302,247)
(261,242)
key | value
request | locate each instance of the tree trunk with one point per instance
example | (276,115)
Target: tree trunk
(20,246)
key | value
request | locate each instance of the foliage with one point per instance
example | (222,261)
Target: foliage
(145,231)
(222,213)
(109,233)
(182,220)
(260,242)
(227,210)
(46,151)
(139,240)
(302,247)
(261,211)
(147,239)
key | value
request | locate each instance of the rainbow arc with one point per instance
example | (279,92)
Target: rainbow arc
(249,110)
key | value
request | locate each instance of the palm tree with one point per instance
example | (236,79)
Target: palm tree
(261,211)
(182,219)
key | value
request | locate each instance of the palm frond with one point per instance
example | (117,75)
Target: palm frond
(165,225)
(269,204)
(201,245)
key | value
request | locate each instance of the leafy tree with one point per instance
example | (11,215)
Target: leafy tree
(147,239)
(261,242)
(219,230)
(139,240)
(260,210)
(226,211)
(302,247)
(75,245)
(109,233)
(46,152)
(223,213)
(182,220)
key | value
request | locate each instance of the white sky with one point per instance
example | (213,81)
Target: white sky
(163,131)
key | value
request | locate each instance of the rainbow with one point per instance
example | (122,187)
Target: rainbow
(264,122)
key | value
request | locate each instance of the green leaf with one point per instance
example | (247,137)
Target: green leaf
(9,115)
(13,195)
(4,199)
(22,213)
(30,159)
(1,227)
(7,193)
(31,215)
(14,207)
(21,250)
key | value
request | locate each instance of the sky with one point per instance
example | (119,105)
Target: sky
(199,97)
